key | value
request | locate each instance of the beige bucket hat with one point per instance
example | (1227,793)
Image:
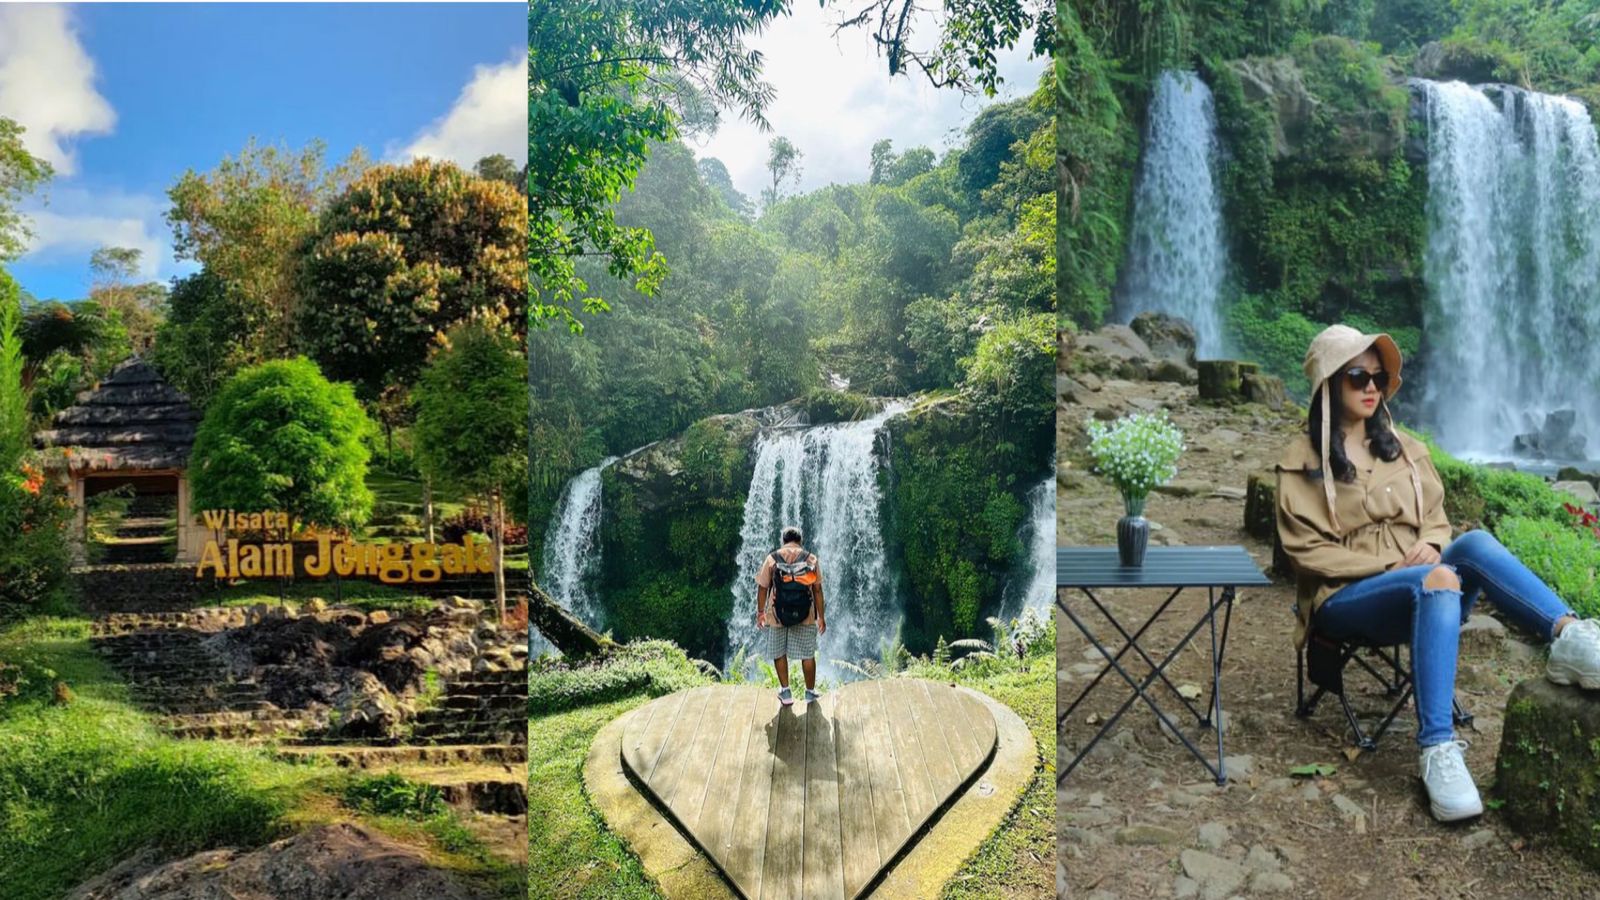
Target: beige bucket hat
(1325,358)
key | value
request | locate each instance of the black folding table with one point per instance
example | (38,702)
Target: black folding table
(1214,568)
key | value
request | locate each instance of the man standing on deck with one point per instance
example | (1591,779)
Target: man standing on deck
(790,578)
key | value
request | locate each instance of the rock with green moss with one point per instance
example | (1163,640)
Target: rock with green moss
(1548,772)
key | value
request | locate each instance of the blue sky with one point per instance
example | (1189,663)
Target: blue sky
(122,99)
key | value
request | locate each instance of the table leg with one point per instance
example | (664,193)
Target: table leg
(1130,641)
(1139,689)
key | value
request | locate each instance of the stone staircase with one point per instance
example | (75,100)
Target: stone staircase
(142,536)
(471,741)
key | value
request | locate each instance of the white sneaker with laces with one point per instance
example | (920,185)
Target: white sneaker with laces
(1451,791)
(1575,655)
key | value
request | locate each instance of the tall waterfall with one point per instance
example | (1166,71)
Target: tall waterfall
(1177,259)
(824,478)
(1512,265)
(572,551)
(1034,585)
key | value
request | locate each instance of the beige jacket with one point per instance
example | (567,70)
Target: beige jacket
(1377,516)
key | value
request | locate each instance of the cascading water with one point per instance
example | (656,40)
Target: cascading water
(1512,265)
(1034,586)
(824,478)
(1177,259)
(571,550)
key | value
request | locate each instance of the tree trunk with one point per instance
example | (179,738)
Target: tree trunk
(499,554)
(574,639)
(427,508)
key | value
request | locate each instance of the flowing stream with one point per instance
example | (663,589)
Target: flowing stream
(1512,266)
(823,478)
(1177,260)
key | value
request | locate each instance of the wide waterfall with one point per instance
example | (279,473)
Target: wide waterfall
(825,479)
(571,550)
(1513,262)
(1034,587)
(1177,259)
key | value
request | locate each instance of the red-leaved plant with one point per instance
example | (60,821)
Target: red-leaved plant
(1582,518)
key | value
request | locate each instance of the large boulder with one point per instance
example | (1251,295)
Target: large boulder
(1113,351)
(1548,772)
(1167,337)
(1555,439)
(341,860)
(1454,62)
(661,476)
(1305,126)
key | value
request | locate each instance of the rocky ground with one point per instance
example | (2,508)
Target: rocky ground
(1141,818)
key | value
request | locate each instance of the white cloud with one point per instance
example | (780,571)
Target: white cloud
(47,83)
(77,222)
(835,99)
(490,116)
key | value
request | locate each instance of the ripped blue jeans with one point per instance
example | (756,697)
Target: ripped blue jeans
(1395,607)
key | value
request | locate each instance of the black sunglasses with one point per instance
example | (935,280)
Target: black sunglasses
(1359,378)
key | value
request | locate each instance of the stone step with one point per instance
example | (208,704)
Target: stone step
(507,702)
(367,757)
(496,796)
(227,731)
(488,689)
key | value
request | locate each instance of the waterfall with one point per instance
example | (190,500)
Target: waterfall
(825,479)
(572,550)
(1512,265)
(1033,587)
(1177,260)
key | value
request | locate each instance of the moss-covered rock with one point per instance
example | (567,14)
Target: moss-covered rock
(1549,766)
(958,480)
(670,536)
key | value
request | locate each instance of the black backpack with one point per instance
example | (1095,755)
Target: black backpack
(792,584)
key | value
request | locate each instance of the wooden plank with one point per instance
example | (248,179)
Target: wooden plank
(948,709)
(641,752)
(675,761)
(858,833)
(700,760)
(744,839)
(722,786)
(980,723)
(913,768)
(937,756)
(888,796)
(822,867)
(786,816)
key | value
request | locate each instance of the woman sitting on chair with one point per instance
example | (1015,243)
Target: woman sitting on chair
(1361,515)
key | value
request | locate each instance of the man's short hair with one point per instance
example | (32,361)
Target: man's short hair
(791,534)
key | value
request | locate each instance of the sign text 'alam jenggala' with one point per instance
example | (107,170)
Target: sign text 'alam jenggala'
(227,557)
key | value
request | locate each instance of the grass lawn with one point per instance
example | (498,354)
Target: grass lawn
(574,855)
(84,783)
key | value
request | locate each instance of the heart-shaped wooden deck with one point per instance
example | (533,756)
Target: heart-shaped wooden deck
(813,800)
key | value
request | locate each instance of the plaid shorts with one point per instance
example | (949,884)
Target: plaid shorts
(791,640)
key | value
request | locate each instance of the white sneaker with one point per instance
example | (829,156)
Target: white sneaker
(1451,792)
(1575,655)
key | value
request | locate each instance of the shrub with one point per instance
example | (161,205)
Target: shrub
(1564,557)
(279,436)
(653,668)
(390,794)
(476,521)
(825,405)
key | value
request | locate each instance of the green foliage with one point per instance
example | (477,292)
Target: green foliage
(1553,46)
(1564,557)
(207,336)
(823,405)
(21,173)
(33,510)
(471,425)
(649,668)
(597,99)
(405,253)
(1480,496)
(279,436)
(1014,363)
(391,794)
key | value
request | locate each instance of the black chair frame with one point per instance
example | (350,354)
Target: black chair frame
(1323,662)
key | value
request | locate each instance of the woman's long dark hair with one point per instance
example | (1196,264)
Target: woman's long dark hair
(1385,443)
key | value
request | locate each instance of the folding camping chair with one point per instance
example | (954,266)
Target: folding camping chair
(1324,661)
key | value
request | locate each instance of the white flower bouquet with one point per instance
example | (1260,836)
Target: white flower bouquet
(1137,453)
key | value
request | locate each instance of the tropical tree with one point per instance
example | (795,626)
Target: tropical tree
(281,437)
(402,255)
(21,173)
(472,423)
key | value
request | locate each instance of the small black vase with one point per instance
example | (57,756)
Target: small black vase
(1133,536)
